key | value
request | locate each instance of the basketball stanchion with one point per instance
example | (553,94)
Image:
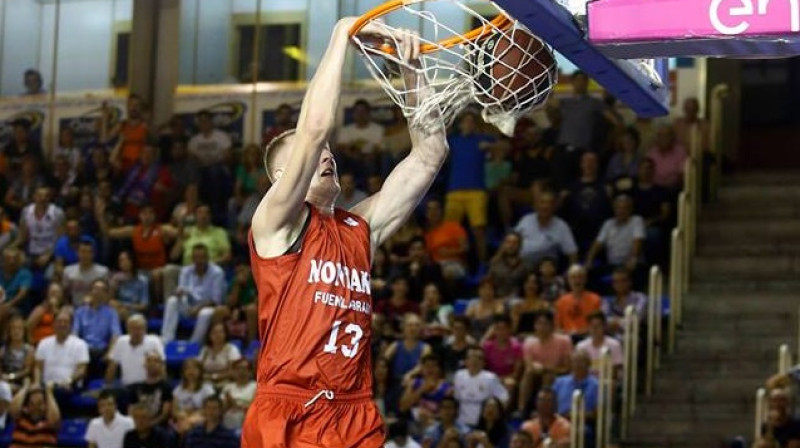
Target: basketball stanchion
(761,412)
(676,270)
(784,359)
(577,430)
(604,399)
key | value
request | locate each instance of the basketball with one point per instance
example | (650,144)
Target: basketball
(514,70)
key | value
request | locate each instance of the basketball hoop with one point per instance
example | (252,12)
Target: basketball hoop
(499,64)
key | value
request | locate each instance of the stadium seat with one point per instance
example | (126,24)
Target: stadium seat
(187,323)
(237,343)
(154,324)
(72,432)
(87,399)
(252,350)
(5,435)
(179,351)
(460,307)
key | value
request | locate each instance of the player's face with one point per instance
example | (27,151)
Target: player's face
(325,182)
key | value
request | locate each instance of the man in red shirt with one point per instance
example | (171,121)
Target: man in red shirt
(311,264)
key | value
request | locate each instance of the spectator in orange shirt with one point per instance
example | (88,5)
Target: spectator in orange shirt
(573,308)
(547,424)
(446,241)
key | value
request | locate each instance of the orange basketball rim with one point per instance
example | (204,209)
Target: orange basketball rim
(500,21)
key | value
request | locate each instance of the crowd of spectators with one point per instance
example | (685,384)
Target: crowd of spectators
(492,303)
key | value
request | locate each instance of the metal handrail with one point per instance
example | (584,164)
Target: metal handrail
(718,95)
(578,420)
(627,376)
(653,322)
(634,362)
(761,412)
(784,359)
(604,399)
(675,286)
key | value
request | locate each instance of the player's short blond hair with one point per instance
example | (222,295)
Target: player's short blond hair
(271,149)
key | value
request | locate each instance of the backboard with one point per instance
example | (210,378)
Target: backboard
(641,83)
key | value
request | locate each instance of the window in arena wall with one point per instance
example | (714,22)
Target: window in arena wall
(120,54)
(281,47)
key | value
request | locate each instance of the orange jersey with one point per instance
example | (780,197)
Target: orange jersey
(315,310)
(150,248)
(134,137)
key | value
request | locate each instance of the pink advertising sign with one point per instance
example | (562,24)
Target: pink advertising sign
(638,20)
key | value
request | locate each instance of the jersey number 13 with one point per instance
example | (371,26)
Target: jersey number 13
(349,351)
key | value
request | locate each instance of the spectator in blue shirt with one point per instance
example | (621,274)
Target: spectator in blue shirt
(15,282)
(200,290)
(66,250)
(96,322)
(579,379)
(211,433)
(466,193)
(448,427)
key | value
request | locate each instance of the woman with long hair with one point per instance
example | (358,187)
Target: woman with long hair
(218,355)
(524,313)
(188,396)
(130,291)
(16,355)
(482,311)
(492,430)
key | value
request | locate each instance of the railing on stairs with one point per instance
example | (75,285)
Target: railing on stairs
(578,419)
(604,399)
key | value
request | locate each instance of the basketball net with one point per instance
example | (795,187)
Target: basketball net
(454,69)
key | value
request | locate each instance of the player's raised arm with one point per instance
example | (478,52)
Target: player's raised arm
(387,210)
(278,218)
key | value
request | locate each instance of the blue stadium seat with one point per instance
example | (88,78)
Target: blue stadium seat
(179,351)
(187,323)
(237,343)
(252,350)
(87,400)
(5,435)
(460,306)
(154,325)
(664,305)
(72,432)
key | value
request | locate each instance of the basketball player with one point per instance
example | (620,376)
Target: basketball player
(311,263)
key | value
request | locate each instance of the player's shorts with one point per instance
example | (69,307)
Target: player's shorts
(473,203)
(288,421)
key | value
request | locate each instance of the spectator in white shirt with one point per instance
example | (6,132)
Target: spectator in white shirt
(108,430)
(363,135)
(398,436)
(473,385)
(200,290)
(544,234)
(622,237)
(597,341)
(79,277)
(61,359)
(210,146)
(359,143)
(130,351)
